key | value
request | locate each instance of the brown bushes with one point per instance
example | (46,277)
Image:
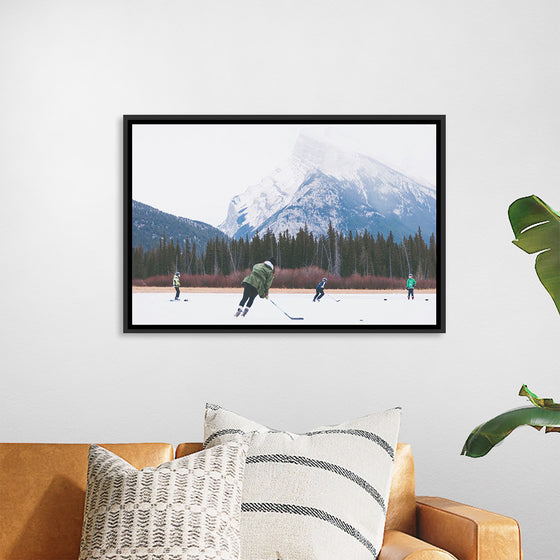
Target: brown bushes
(298,278)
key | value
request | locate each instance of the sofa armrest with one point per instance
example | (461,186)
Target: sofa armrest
(401,546)
(468,533)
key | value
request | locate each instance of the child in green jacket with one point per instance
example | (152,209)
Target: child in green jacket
(257,283)
(410,284)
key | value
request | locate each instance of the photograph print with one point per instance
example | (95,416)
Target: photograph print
(275,223)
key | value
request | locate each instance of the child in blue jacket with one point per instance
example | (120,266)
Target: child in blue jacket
(320,290)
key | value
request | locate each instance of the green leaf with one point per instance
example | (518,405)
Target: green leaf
(536,227)
(484,437)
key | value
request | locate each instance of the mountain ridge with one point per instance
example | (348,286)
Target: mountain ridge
(321,183)
(148,224)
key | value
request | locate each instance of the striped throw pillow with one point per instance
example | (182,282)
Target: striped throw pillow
(321,495)
(187,509)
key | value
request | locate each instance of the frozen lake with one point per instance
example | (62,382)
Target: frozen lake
(218,309)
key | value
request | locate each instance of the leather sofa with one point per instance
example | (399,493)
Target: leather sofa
(42,492)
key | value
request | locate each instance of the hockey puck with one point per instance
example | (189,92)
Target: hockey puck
(384,299)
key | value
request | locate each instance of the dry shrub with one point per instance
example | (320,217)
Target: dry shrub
(295,278)
(306,278)
(159,281)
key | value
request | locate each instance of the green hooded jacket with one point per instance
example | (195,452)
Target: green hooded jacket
(260,278)
(410,283)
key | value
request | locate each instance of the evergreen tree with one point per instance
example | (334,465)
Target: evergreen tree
(341,255)
(432,259)
(390,250)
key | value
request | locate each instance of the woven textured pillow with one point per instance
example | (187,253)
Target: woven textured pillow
(187,509)
(321,495)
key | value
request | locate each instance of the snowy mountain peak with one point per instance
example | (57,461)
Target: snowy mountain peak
(309,151)
(321,182)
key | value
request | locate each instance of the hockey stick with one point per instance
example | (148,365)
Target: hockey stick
(289,316)
(337,300)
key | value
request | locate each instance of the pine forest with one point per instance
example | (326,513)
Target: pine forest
(353,261)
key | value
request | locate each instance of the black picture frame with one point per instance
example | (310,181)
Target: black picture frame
(285,320)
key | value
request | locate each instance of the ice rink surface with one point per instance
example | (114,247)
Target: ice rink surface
(218,309)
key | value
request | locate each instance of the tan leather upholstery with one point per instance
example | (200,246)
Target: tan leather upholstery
(187,448)
(467,532)
(401,510)
(400,546)
(42,492)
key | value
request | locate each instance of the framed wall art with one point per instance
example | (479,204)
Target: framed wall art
(284,223)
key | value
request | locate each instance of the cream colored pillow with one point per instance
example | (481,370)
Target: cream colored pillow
(187,509)
(320,495)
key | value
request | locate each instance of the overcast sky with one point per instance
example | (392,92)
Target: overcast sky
(193,170)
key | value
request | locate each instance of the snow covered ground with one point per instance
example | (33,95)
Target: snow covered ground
(218,309)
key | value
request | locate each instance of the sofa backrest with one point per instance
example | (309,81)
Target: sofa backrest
(42,494)
(401,510)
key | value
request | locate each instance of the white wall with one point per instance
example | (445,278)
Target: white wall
(70,70)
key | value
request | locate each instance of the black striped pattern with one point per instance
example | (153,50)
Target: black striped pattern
(312,512)
(220,433)
(320,494)
(360,433)
(314,463)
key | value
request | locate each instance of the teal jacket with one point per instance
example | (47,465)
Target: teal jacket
(260,278)
(410,283)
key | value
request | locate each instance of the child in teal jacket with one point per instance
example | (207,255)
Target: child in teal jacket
(410,285)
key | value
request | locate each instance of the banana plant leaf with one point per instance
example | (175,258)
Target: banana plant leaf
(536,227)
(545,414)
